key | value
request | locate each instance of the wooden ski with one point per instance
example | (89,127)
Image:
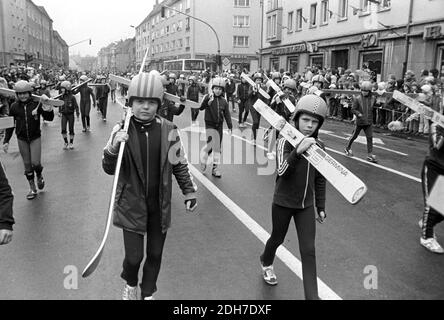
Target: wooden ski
(281,94)
(11,94)
(254,85)
(348,185)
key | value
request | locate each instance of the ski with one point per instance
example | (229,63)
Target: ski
(11,94)
(254,85)
(74,89)
(418,107)
(358,93)
(348,185)
(94,262)
(281,95)
(6,123)
(167,96)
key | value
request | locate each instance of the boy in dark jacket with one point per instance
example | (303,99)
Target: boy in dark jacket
(230,88)
(67,112)
(242,94)
(153,153)
(6,201)
(299,189)
(216,111)
(193,95)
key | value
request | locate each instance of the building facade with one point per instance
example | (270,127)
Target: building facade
(118,57)
(354,34)
(178,36)
(27,30)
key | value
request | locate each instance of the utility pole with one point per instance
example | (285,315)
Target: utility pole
(407,39)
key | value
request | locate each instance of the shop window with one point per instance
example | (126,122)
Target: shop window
(317,61)
(293,64)
(384,5)
(372,61)
(274,64)
(339,59)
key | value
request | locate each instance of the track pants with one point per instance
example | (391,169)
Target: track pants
(431,217)
(31,154)
(306,228)
(134,254)
(243,107)
(368,133)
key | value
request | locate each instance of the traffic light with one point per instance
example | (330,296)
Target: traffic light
(218,60)
(90,42)
(162,12)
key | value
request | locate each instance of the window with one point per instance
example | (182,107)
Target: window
(241,3)
(188,4)
(187,24)
(241,21)
(240,41)
(313,14)
(187,41)
(293,64)
(290,21)
(180,26)
(365,7)
(273,4)
(325,12)
(385,5)
(343,9)
(299,19)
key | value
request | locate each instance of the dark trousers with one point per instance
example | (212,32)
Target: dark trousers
(68,119)
(31,154)
(85,110)
(214,139)
(431,217)
(256,121)
(368,129)
(243,107)
(103,106)
(134,254)
(306,228)
(194,114)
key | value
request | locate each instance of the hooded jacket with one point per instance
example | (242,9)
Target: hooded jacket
(363,109)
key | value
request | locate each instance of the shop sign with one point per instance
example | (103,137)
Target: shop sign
(369,40)
(299,48)
(433,32)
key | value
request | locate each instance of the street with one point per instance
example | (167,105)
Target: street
(214,253)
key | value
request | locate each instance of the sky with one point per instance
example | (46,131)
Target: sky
(104,21)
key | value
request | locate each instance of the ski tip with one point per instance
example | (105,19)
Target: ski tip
(359,195)
(92,266)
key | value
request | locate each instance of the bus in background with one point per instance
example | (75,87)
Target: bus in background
(185,66)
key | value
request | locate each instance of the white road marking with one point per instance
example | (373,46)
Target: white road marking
(402,174)
(325,293)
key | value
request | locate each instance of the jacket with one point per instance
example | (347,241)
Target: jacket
(130,209)
(6,202)
(363,109)
(436,147)
(216,112)
(70,105)
(27,126)
(230,87)
(193,93)
(86,93)
(298,185)
(168,110)
(243,91)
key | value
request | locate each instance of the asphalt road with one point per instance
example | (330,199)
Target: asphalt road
(214,254)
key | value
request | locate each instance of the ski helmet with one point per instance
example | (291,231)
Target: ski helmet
(145,86)
(366,86)
(172,76)
(258,76)
(290,84)
(83,78)
(276,75)
(218,82)
(318,78)
(313,105)
(66,85)
(193,78)
(43,83)
(3,83)
(22,87)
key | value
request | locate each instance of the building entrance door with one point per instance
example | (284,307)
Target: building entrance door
(339,59)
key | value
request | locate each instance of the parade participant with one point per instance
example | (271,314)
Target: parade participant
(113,88)
(6,202)
(102,96)
(277,78)
(363,110)
(433,168)
(182,85)
(168,109)
(318,85)
(289,88)
(254,95)
(67,112)
(296,198)
(86,93)
(230,90)
(26,113)
(243,96)
(43,89)
(216,111)
(193,95)
(143,200)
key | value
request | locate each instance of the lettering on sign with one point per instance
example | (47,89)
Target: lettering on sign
(433,32)
(369,40)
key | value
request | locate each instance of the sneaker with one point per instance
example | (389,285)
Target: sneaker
(84,130)
(88,129)
(269,275)
(432,245)
(40,183)
(31,195)
(71,146)
(372,159)
(421,226)
(348,152)
(104,119)
(149,298)
(271,156)
(66,146)
(217,173)
(129,293)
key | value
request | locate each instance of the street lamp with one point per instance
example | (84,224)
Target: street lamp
(218,57)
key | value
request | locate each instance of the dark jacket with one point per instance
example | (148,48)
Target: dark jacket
(6,202)
(173,89)
(130,210)
(253,96)
(86,93)
(193,93)
(436,143)
(230,88)
(243,91)
(363,109)
(102,92)
(70,105)
(281,109)
(216,112)
(27,126)
(299,185)
(168,110)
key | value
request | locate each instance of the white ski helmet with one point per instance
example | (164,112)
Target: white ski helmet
(318,78)
(22,86)
(218,82)
(366,86)
(290,84)
(146,85)
(312,105)
(83,78)
(66,85)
